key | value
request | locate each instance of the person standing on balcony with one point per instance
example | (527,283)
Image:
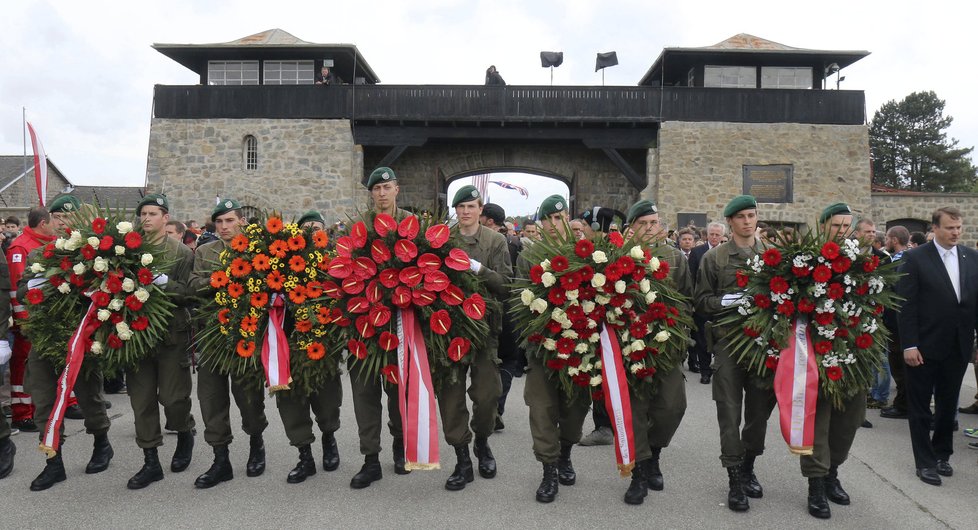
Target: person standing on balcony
(493,78)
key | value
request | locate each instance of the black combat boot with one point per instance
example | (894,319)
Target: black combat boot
(184,452)
(652,472)
(101,454)
(256,456)
(305,468)
(736,500)
(463,469)
(53,472)
(7,452)
(220,470)
(752,488)
(331,454)
(833,488)
(565,468)
(818,505)
(150,473)
(547,491)
(639,487)
(487,462)
(369,473)
(398,450)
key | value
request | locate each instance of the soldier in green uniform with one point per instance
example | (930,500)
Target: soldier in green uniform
(42,377)
(489,258)
(367,406)
(7,448)
(555,420)
(655,420)
(163,376)
(736,391)
(835,429)
(294,406)
(212,386)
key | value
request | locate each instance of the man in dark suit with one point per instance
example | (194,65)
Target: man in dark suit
(937,331)
(700,354)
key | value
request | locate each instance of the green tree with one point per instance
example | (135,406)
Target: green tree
(911,150)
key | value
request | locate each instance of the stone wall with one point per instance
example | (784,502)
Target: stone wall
(698,167)
(888,207)
(21,196)
(590,175)
(302,165)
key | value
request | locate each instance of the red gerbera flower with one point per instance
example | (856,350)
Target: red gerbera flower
(834,373)
(98,225)
(559,263)
(584,248)
(565,345)
(771,257)
(830,250)
(218,279)
(616,239)
(864,341)
(742,279)
(823,347)
(35,296)
(779,285)
(841,264)
(133,240)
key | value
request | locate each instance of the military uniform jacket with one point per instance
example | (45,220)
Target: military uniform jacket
(208,260)
(718,275)
(179,261)
(491,250)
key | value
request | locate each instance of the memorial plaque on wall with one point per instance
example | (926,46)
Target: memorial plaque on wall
(769,183)
(691,219)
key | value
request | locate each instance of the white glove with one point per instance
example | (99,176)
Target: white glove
(5,352)
(161,280)
(730,299)
(475,266)
(34,283)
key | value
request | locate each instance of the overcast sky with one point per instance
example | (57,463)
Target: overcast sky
(85,70)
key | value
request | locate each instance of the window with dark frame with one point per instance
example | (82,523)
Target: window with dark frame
(251,152)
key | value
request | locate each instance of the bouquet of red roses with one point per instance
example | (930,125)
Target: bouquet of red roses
(271,275)
(836,288)
(383,266)
(575,288)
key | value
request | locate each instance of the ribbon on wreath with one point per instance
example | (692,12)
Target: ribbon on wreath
(78,345)
(617,400)
(796,389)
(419,417)
(275,347)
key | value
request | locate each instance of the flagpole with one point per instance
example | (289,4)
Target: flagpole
(23,132)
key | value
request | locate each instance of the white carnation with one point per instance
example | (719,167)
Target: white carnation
(644,285)
(599,256)
(142,295)
(124,227)
(548,279)
(79,269)
(573,294)
(598,280)
(538,306)
(526,296)
(568,334)
(602,299)
(104,314)
(120,250)
(650,297)
(654,263)
(638,345)
(96,347)
(121,327)
(596,380)
(635,368)
(587,306)
(128,285)
(571,371)
(93,241)
(550,344)
(116,304)
(581,347)
(620,286)
(545,264)
(59,243)
(662,336)
(146,259)
(594,336)
(125,334)
(64,288)
(101,264)
(637,252)
(37,268)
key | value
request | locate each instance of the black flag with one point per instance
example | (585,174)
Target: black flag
(548,59)
(605,60)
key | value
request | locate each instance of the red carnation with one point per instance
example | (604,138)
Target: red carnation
(822,274)
(871,264)
(822,347)
(582,380)
(132,302)
(559,264)
(771,362)
(114,341)
(862,289)
(762,301)
(834,372)
(742,279)
(864,341)
(145,276)
(106,243)
(535,338)
(771,257)
(836,291)
(49,251)
(115,318)
(98,225)
(133,240)
(779,285)
(101,298)
(615,239)
(824,319)
(841,332)
(35,296)
(584,248)
(113,284)
(565,345)
(800,272)
(536,274)
(830,250)
(841,264)
(557,296)
(662,272)
(556,364)
(805,305)
(140,324)
(88,252)
(574,362)
(786,308)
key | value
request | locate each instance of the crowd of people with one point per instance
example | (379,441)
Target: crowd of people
(931,345)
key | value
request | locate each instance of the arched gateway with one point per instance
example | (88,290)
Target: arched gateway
(690,135)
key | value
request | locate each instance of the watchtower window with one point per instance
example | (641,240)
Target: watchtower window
(251,152)
(289,73)
(786,77)
(232,72)
(730,77)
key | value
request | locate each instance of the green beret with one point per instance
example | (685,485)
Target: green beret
(494,212)
(381,174)
(551,205)
(641,209)
(311,215)
(465,194)
(738,203)
(223,207)
(154,199)
(834,209)
(65,204)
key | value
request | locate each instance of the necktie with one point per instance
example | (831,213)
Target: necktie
(951,264)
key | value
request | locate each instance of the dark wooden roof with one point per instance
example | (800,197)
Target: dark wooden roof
(271,45)
(12,167)
(672,65)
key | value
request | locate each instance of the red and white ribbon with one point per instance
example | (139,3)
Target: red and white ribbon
(419,417)
(796,388)
(275,347)
(78,345)
(617,400)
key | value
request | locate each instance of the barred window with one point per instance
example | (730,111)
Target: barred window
(232,72)
(786,77)
(250,152)
(730,77)
(289,73)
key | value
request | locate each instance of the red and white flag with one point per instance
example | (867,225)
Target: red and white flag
(40,165)
(419,416)
(796,388)
(617,400)
(275,348)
